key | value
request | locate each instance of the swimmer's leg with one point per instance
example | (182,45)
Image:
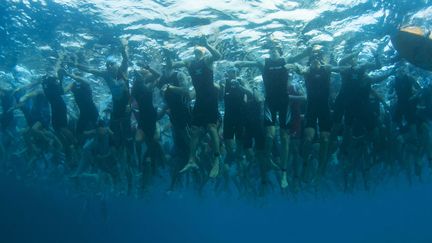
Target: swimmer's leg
(309,134)
(212,129)
(323,153)
(285,140)
(195,134)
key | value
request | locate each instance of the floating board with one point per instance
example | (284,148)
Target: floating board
(415,45)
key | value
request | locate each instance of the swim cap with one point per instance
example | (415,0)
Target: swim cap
(111,60)
(49,79)
(200,49)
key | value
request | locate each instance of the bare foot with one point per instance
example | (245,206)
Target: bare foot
(284,181)
(190,165)
(215,169)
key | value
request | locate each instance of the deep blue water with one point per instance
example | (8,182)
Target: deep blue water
(395,214)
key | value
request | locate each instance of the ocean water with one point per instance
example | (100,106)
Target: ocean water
(50,210)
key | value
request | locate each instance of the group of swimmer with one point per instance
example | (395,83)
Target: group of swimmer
(238,132)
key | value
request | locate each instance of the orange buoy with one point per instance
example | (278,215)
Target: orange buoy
(415,45)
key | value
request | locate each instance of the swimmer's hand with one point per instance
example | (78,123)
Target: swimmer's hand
(62,72)
(166,51)
(71,60)
(291,66)
(128,108)
(164,88)
(124,41)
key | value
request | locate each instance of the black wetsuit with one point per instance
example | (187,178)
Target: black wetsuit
(120,122)
(405,106)
(318,95)
(205,110)
(254,124)
(178,104)
(37,110)
(424,106)
(361,115)
(276,79)
(88,112)
(354,103)
(7,117)
(53,90)
(235,99)
(179,113)
(342,101)
(147,115)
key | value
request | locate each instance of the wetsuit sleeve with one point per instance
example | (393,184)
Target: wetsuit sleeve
(91,70)
(257,64)
(180,64)
(215,54)
(125,60)
(182,80)
(123,69)
(379,78)
(299,69)
(183,87)
(346,59)
(155,74)
(77,78)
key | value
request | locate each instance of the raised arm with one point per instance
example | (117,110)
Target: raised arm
(180,64)
(380,98)
(155,74)
(182,89)
(26,86)
(215,54)
(348,58)
(125,57)
(73,61)
(24,98)
(249,64)
(298,57)
(95,72)
(295,67)
(58,66)
(76,78)
(379,78)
